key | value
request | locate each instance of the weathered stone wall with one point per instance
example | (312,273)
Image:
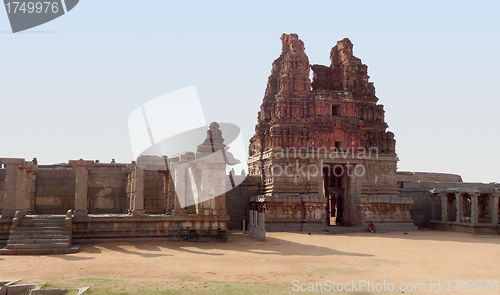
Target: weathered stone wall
(2,187)
(4,222)
(126,227)
(55,190)
(154,195)
(237,200)
(424,207)
(107,189)
(407,176)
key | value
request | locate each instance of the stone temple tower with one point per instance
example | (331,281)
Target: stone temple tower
(322,149)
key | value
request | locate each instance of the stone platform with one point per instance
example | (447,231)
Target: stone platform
(478,228)
(113,227)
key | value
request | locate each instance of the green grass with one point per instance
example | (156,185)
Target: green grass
(383,262)
(106,286)
(209,289)
(48,286)
(224,288)
(2,245)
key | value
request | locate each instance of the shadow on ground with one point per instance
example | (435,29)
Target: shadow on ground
(237,242)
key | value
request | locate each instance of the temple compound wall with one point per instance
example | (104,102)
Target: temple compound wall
(322,149)
(148,198)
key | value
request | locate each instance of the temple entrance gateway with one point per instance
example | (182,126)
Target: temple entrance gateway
(334,120)
(334,189)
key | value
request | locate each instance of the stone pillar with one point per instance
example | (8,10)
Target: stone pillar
(205,205)
(251,223)
(138,193)
(13,198)
(180,189)
(171,194)
(130,170)
(444,207)
(494,207)
(81,168)
(460,206)
(262,226)
(474,216)
(31,188)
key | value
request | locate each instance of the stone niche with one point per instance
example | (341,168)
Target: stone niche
(321,148)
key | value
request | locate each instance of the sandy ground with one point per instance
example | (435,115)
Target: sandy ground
(393,257)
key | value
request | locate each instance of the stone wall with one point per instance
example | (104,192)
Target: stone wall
(154,195)
(107,189)
(2,187)
(51,190)
(4,222)
(237,200)
(424,207)
(127,227)
(55,190)
(407,176)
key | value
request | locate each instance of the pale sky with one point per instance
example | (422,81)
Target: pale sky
(68,86)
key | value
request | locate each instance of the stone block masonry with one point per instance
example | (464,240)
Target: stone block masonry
(122,201)
(322,148)
(2,187)
(238,201)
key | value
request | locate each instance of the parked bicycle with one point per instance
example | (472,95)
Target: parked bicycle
(219,235)
(186,234)
(206,235)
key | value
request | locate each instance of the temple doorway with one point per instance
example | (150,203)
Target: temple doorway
(334,189)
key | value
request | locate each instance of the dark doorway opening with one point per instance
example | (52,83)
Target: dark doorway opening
(334,188)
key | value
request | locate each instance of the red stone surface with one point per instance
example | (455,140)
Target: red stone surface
(338,106)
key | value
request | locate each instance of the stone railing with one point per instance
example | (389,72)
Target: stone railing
(68,221)
(17,219)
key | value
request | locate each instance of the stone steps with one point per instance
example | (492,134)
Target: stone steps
(39,241)
(37,246)
(69,250)
(41,224)
(39,235)
(44,232)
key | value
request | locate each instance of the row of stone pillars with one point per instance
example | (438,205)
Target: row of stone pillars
(15,194)
(185,185)
(474,218)
(19,172)
(135,186)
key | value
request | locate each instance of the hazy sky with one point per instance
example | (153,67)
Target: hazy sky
(68,86)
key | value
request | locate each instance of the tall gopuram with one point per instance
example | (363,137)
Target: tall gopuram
(322,149)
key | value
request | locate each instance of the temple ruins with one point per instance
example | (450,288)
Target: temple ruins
(322,149)
(321,159)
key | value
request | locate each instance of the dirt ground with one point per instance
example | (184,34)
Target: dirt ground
(425,257)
